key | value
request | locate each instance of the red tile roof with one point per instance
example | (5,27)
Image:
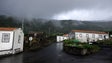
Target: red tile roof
(65,35)
(7,29)
(88,31)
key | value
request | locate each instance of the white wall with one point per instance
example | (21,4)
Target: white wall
(14,45)
(8,45)
(83,36)
(18,44)
(61,38)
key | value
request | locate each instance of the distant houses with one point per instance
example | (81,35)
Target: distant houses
(88,36)
(11,40)
(61,38)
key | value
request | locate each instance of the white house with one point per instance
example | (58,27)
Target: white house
(11,40)
(88,36)
(61,38)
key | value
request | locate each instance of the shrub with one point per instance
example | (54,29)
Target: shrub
(105,42)
(81,46)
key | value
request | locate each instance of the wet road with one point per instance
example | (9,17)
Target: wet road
(54,54)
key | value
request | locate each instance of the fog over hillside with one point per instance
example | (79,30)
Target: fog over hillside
(55,26)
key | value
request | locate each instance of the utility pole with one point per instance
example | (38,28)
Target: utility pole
(23,24)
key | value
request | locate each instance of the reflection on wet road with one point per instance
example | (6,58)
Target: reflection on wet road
(54,54)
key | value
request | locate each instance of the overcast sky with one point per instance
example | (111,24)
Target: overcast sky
(58,9)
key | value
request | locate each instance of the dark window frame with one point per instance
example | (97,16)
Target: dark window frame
(5,37)
(19,39)
(87,35)
(80,35)
(100,36)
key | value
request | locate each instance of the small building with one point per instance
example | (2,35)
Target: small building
(88,36)
(61,38)
(11,40)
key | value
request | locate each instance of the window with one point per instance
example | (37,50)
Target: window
(93,35)
(87,35)
(80,35)
(104,36)
(5,37)
(100,36)
(19,39)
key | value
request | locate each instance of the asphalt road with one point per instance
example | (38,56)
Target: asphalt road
(54,54)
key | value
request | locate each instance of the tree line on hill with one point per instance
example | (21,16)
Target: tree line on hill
(53,26)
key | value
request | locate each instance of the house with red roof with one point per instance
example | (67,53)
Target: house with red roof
(11,40)
(61,38)
(88,35)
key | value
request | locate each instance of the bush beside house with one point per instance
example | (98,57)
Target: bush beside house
(105,43)
(39,40)
(76,47)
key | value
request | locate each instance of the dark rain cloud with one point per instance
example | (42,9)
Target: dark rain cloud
(49,8)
